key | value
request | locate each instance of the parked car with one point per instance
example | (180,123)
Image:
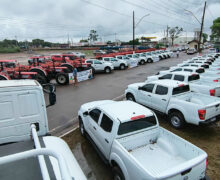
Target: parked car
(98,52)
(117,63)
(131,141)
(191,51)
(100,66)
(154,57)
(193,79)
(175,99)
(26,149)
(140,60)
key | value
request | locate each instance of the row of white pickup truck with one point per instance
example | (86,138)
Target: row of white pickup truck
(127,135)
(108,64)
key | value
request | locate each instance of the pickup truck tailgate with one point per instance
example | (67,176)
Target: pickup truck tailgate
(217,91)
(212,110)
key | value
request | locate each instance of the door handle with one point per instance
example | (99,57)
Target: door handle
(164,100)
(149,95)
(106,141)
(94,127)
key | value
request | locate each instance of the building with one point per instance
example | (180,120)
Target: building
(194,44)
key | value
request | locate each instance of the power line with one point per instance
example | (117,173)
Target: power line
(111,10)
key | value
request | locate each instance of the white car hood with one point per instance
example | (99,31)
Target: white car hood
(135,85)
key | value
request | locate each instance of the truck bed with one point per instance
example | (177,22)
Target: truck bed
(151,152)
(23,169)
(162,154)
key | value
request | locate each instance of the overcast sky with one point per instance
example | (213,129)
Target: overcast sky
(55,20)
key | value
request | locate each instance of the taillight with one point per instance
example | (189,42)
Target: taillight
(215,80)
(202,113)
(207,162)
(212,92)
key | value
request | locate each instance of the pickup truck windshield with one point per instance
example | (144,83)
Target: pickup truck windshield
(181,89)
(193,77)
(135,125)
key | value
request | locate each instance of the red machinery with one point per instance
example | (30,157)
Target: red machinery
(7,72)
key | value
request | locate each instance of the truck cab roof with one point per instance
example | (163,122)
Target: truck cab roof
(18,83)
(132,110)
(168,83)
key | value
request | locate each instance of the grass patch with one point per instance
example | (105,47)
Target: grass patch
(9,49)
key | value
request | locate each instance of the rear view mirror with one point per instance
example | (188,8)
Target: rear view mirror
(50,89)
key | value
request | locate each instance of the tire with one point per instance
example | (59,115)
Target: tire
(69,68)
(177,120)
(130,97)
(122,67)
(40,79)
(117,173)
(62,79)
(149,60)
(160,58)
(41,73)
(81,127)
(107,70)
(142,62)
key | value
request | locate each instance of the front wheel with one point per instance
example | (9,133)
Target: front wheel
(176,120)
(122,66)
(149,61)
(81,127)
(107,70)
(142,62)
(62,79)
(130,97)
(117,173)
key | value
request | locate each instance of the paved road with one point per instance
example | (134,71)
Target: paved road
(104,86)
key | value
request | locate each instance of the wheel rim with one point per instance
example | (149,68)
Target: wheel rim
(62,79)
(175,121)
(82,128)
(107,70)
(142,62)
(122,66)
(117,177)
(130,98)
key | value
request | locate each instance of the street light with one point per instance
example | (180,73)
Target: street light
(134,26)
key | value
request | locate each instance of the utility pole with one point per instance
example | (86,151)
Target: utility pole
(167,36)
(200,35)
(133,32)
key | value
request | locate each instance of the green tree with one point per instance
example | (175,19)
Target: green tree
(174,33)
(215,36)
(136,42)
(205,37)
(83,40)
(37,42)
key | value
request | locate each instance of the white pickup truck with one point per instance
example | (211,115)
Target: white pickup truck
(140,60)
(193,79)
(204,74)
(26,149)
(174,99)
(130,61)
(117,63)
(100,66)
(136,147)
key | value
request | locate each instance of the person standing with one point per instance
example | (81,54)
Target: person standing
(75,76)
(177,53)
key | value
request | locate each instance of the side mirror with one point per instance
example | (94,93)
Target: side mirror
(86,113)
(50,89)
(140,88)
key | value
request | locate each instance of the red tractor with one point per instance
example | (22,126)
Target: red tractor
(9,71)
(49,70)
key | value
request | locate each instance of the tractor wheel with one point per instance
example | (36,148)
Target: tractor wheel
(41,73)
(62,78)
(3,78)
(69,68)
(40,79)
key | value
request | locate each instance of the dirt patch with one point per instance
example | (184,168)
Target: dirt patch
(207,138)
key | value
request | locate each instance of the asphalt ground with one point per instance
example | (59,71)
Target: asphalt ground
(63,115)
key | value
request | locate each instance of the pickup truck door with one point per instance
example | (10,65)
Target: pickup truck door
(160,98)
(144,94)
(105,135)
(93,126)
(98,65)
